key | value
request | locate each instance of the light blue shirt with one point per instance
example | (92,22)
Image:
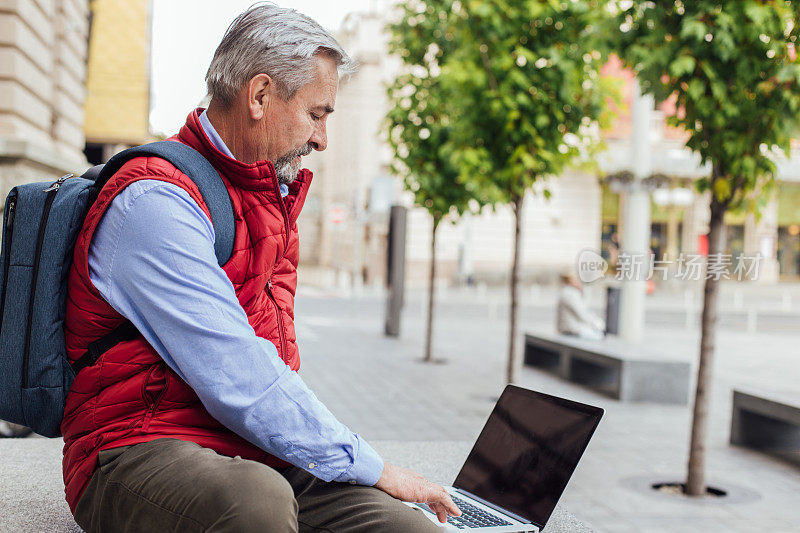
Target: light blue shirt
(152,259)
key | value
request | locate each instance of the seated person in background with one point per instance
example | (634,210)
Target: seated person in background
(573,316)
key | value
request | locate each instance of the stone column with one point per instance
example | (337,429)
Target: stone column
(635,238)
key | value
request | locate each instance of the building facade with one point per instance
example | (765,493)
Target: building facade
(344,226)
(43,50)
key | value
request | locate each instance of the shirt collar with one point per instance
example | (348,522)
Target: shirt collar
(213,136)
(220,145)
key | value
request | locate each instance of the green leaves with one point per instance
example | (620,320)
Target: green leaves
(757,13)
(696,88)
(694,31)
(682,65)
(514,81)
(524,108)
(722,190)
(733,69)
(420,122)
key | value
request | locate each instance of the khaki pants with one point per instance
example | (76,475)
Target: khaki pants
(175,485)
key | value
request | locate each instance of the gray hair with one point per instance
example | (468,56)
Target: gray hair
(276,41)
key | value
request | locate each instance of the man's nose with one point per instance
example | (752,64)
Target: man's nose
(319,139)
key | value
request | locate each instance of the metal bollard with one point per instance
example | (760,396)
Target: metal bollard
(752,320)
(395,278)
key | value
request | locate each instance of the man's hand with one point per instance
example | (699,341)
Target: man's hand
(409,486)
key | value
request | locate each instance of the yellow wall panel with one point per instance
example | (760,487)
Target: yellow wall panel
(118,79)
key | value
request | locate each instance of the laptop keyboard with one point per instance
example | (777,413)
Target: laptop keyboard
(471,516)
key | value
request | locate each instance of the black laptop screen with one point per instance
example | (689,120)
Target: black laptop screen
(527,452)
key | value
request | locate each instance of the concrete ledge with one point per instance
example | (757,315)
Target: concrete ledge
(768,422)
(46,157)
(33,491)
(612,366)
(32,486)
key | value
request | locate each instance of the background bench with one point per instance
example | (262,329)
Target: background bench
(612,366)
(768,422)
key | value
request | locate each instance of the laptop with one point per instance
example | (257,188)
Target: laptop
(521,463)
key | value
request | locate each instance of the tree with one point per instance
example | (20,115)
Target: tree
(733,69)
(525,77)
(419,126)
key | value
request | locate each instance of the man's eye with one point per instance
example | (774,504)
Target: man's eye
(315,117)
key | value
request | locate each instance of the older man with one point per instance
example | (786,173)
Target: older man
(202,423)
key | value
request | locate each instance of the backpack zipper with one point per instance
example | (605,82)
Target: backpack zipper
(9,234)
(51,191)
(279,312)
(57,184)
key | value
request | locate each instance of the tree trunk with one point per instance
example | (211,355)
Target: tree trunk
(696,483)
(512,344)
(431,291)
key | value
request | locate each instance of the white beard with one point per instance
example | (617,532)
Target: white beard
(287,172)
(287,167)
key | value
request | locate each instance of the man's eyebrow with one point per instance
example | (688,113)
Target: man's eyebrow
(327,108)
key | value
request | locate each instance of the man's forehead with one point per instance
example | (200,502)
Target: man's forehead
(319,101)
(321,90)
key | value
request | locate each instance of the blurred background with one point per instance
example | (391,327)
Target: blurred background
(81,80)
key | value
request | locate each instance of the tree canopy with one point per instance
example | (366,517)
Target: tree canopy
(526,79)
(733,70)
(495,94)
(420,122)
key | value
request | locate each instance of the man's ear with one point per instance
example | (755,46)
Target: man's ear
(259,92)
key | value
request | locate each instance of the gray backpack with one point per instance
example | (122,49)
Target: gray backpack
(41,223)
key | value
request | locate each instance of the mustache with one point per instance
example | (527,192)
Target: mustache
(288,158)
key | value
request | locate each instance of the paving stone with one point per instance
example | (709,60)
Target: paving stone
(406,400)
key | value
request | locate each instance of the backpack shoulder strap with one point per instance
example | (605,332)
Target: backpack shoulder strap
(193,164)
(124,332)
(215,195)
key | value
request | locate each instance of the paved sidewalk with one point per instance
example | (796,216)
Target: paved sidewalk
(380,388)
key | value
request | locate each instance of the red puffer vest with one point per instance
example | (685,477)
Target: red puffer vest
(130,396)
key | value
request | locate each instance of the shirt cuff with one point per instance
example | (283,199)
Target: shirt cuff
(367,466)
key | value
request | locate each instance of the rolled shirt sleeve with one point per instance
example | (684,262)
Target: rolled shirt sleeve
(152,258)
